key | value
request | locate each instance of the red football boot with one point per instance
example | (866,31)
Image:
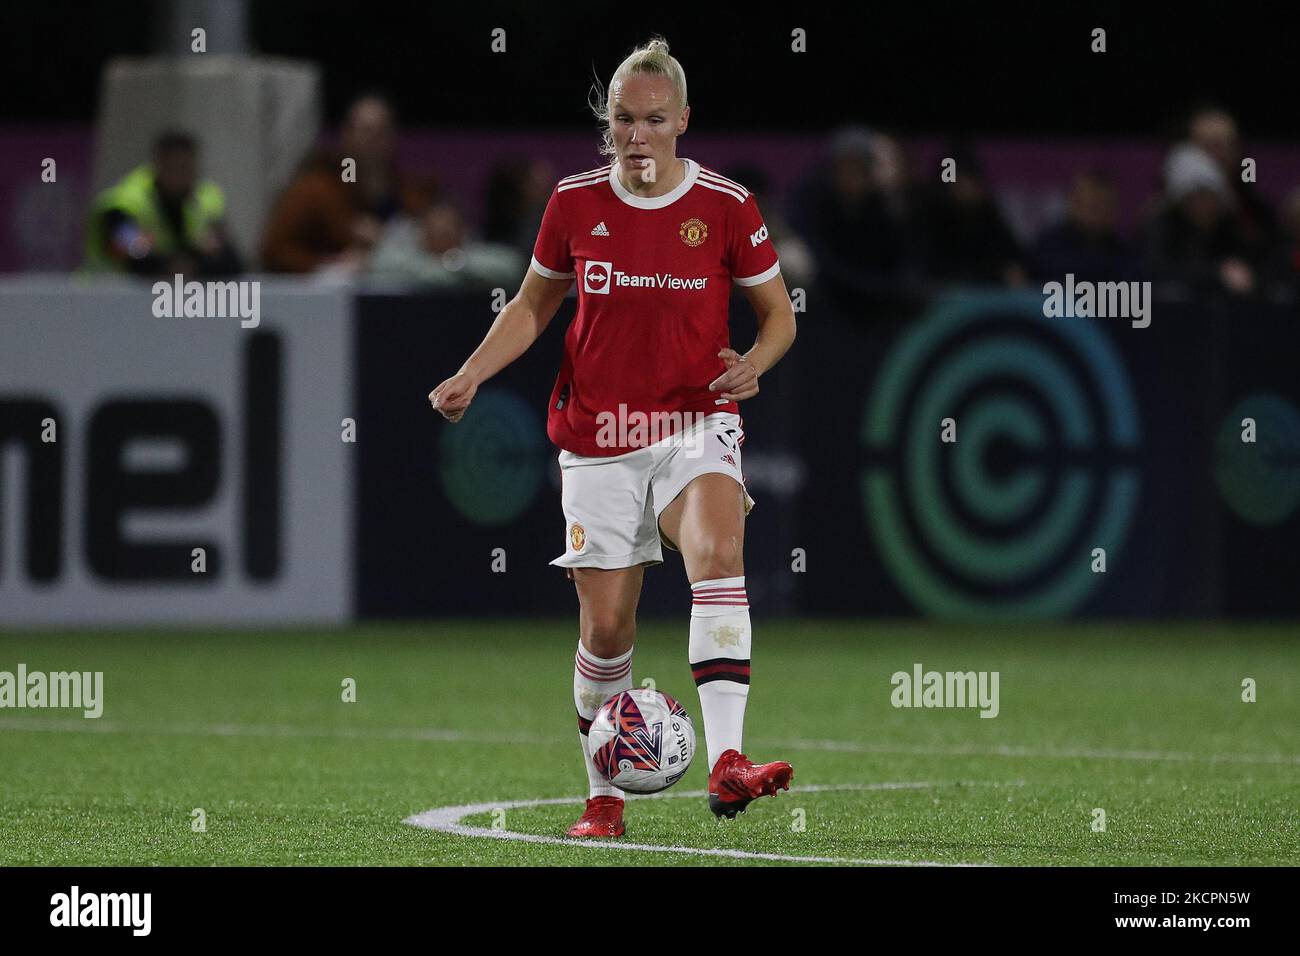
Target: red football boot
(736,780)
(602,818)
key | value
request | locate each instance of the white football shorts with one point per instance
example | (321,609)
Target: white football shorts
(612,504)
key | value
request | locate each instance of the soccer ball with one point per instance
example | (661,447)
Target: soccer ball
(642,740)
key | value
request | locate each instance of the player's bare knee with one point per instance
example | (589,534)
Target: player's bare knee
(716,556)
(608,634)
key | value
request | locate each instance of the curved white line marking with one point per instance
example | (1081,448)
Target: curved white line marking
(447,820)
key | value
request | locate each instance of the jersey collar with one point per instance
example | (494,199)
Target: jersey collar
(655,202)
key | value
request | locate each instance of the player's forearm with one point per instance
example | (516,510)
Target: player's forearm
(775,336)
(515,329)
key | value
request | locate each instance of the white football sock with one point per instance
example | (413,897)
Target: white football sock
(595,680)
(719,656)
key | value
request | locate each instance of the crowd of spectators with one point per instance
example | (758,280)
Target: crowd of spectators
(861,224)
(874,230)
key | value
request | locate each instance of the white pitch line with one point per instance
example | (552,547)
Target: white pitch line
(447,820)
(445,735)
(434,734)
(1067,753)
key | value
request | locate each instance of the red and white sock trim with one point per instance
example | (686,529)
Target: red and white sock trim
(720,592)
(602,670)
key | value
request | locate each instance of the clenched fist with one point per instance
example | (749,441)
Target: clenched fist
(453,396)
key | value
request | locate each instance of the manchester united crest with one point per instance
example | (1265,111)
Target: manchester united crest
(577,536)
(693,232)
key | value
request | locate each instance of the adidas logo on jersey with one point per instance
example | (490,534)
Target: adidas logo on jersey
(600,229)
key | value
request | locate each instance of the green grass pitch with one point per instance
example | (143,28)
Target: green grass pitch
(1145,722)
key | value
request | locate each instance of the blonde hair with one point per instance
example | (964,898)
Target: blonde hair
(653,58)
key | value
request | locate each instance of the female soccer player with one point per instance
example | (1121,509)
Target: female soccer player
(644,409)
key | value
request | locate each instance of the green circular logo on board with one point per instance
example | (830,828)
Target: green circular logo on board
(1003,521)
(492,462)
(1260,479)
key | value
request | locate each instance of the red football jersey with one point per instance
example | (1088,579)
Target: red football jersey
(654,280)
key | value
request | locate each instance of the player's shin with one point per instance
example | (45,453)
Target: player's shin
(719,656)
(595,680)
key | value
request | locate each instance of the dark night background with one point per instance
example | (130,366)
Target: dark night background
(991,68)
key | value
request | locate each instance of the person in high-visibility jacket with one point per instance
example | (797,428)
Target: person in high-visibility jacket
(162,219)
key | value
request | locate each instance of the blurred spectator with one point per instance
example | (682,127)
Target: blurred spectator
(1087,242)
(1285,267)
(1215,131)
(323,221)
(797,265)
(966,238)
(861,238)
(434,251)
(162,219)
(517,193)
(1193,240)
(892,174)
(315,224)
